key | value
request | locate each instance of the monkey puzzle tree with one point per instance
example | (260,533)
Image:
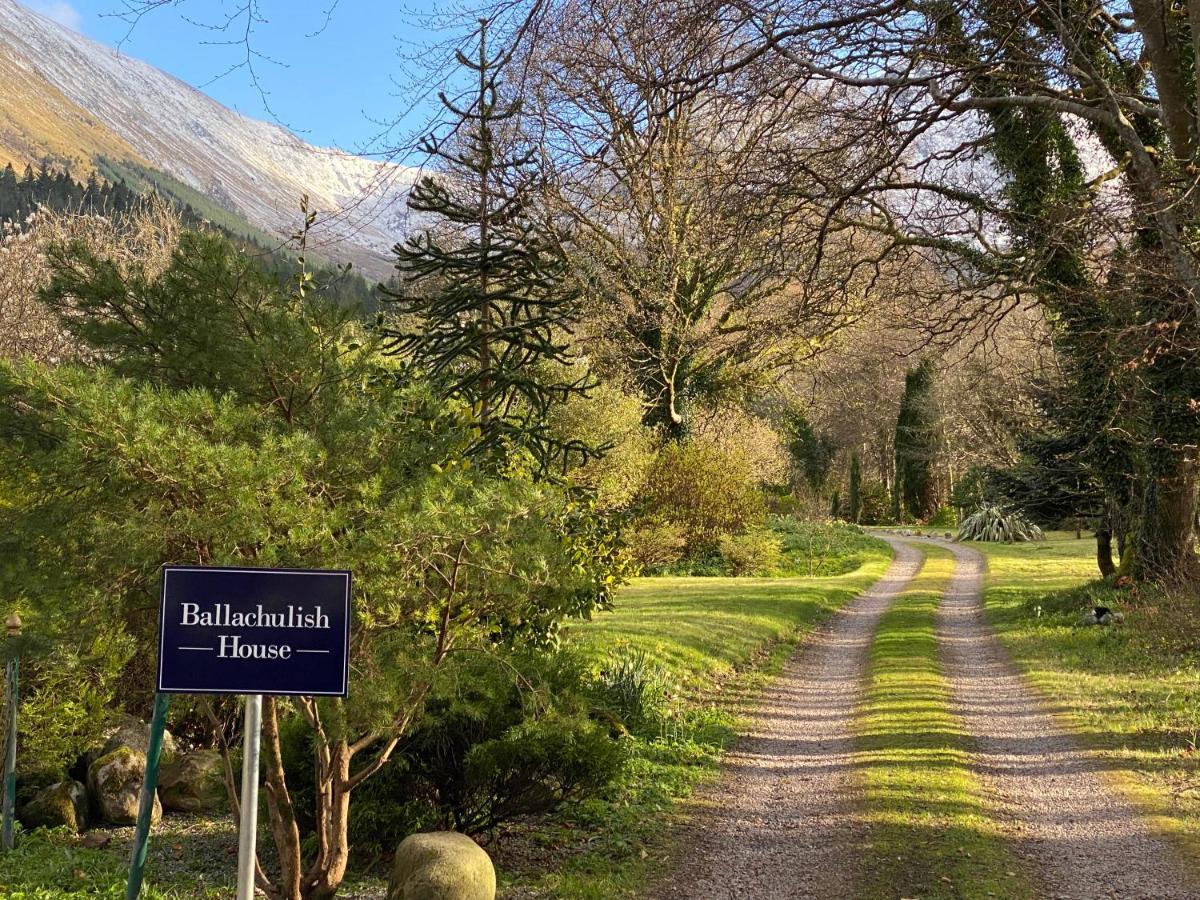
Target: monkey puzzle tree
(485,301)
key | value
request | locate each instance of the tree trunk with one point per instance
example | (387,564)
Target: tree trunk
(284,829)
(329,868)
(1104,551)
(1165,542)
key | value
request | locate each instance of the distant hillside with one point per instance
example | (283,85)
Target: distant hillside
(38,122)
(101,193)
(77,102)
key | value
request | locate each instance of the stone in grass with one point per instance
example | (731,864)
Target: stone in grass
(115,786)
(56,806)
(441,865)
(193,782)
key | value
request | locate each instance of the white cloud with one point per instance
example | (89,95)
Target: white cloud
(60,11)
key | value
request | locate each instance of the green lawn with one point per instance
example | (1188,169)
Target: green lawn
(707,629)
(931,833)
(721,639)
(1132,690)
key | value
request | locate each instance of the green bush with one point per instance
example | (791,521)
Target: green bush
(707,490)
(67,695)
(758,551)
(656,544)
(945,517)
(460,766)
(534,768)
(635,690)
(875,504)
(818,549)
(607,417)
(992,523)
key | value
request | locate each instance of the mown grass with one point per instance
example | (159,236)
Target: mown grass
(721,639)
(930,831)
(1132,691)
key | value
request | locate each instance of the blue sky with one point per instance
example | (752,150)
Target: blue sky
(340,83)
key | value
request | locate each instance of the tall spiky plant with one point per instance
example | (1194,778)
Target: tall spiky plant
(485,299)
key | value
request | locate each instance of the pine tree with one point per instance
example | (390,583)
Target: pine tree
(8,193)
(488,303)
(917,442)
(854,498)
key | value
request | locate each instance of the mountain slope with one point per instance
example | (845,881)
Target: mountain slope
(38,121)
(123,108)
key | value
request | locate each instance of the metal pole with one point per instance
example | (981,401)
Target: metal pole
(141,840)
(9,804)
(248,829)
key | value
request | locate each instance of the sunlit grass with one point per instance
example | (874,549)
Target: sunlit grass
(931,834)
(1131,690)
(721,640)
(706,629)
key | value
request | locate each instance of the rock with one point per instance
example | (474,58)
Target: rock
(441,865)
(193,782)
(949,536)
(64,803)
(115,784)
(133,733)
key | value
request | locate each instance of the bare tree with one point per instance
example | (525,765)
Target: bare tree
(693,248)
(1043,150)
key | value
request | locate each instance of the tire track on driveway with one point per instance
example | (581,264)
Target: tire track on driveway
(1083,838)
(783,820)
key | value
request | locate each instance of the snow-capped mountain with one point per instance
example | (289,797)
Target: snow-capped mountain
(255,169)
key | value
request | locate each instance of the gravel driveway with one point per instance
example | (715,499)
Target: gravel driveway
(780,823)
(1083,839)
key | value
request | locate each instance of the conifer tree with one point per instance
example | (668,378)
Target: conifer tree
(917,443)
(486,299)
(854,499)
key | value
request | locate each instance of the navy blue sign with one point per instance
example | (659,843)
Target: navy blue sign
(254,631)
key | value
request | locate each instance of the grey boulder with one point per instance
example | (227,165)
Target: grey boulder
(115,786)
(193,782)
(441,865)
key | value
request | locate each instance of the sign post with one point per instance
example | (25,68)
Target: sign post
(252,632)
(9,800)
(248,827)
(141,838)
